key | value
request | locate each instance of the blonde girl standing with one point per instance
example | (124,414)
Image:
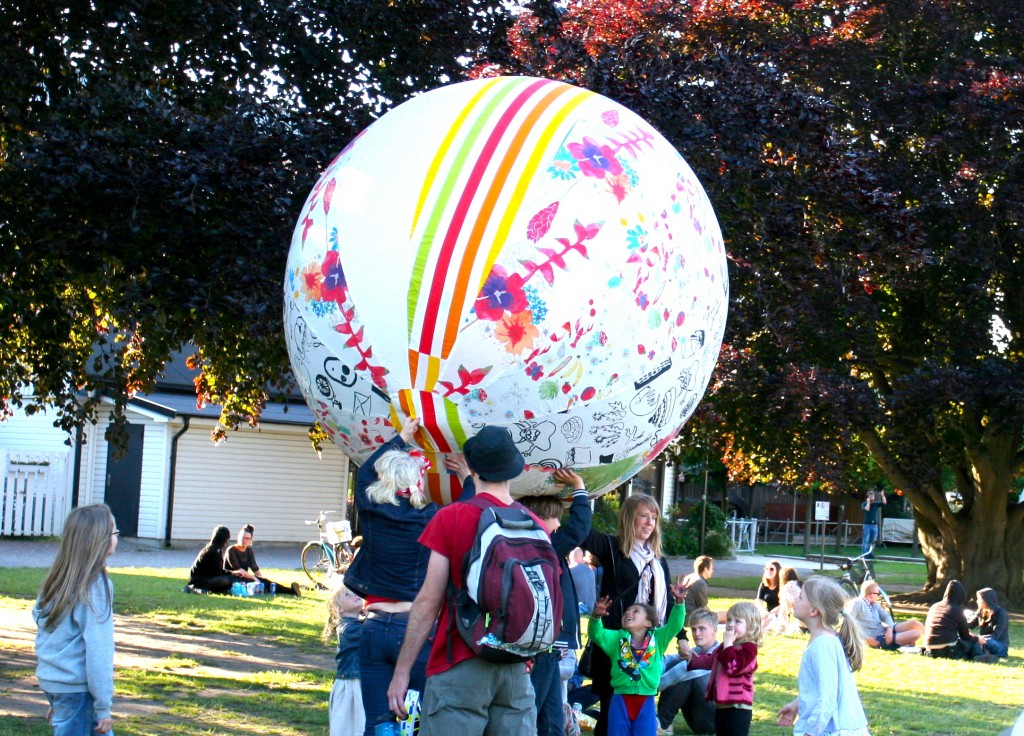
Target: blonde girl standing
(732,665)
(827,702)
(75,619)
(346,714)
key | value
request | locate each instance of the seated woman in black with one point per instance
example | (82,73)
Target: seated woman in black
(768,590)
(208,574)
(946,633)
(240,561)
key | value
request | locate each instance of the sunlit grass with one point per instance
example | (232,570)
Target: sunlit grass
(180,694)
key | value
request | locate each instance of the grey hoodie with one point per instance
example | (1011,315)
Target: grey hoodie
(78,655)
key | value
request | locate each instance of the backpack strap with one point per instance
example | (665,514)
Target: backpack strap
(483,504)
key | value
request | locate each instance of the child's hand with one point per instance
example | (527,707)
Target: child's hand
(788,714)
(679,589)
(601,608)
(684,649)
(569,477)
(730,635)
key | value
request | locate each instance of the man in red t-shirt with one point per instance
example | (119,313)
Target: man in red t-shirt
(465,695)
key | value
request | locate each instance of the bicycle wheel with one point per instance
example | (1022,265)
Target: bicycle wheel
(849,588)
(316,563)
(345,554)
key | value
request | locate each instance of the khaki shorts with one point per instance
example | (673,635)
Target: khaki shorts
(478,698)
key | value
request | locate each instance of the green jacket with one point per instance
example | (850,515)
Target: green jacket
(633,675)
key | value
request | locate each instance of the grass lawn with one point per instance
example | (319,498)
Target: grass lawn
(188,694)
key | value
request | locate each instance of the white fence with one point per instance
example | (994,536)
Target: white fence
(742,534)
(36,493)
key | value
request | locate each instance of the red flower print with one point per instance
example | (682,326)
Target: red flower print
(517,331)
(594,159)
(500,293)
(333,287)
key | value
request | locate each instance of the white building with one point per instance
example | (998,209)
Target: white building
(173,483)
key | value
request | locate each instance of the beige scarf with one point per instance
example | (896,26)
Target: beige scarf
(652,579)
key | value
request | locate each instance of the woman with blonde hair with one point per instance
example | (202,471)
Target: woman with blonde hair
(394,509)
(634,572)
(75,616)
(827,701)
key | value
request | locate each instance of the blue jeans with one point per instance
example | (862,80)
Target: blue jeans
(618,718)
(996,647)
(547,687)
(74,714)
(870,536)
(383,635)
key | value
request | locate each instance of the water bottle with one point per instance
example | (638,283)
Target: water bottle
(238,589)
(273,588)
(252,588)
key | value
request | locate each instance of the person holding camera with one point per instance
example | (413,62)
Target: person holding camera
(872,520)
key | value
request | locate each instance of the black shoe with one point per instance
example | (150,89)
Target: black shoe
(187,589)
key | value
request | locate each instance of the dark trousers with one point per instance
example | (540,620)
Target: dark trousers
(688,697)
(383,635)
(733,721)
(219,584)
(547,687)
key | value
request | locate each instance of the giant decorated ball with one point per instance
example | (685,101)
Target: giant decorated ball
(509,251)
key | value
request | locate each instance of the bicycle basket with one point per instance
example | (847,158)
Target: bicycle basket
(338,532)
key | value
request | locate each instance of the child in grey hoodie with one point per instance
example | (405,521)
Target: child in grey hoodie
(75,618)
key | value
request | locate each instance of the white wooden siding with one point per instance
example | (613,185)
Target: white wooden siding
(270,478)
(155,464)
(34,433)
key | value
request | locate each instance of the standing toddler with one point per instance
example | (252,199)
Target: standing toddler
(346,701)
(732,665)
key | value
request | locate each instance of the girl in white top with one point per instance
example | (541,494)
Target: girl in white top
(827,703)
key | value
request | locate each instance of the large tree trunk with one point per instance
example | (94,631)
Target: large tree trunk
(980,543)
(983,553)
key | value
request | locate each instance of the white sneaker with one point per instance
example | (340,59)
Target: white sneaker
(666,731)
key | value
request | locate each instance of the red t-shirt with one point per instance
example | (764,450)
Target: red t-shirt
(451,533)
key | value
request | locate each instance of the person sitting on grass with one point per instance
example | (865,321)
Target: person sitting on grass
(637,651)
(240,561)
(994,623)
(946,635)
(208,574)
(876,625)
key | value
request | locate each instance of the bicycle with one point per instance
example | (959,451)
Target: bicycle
(855,574)
(332,553)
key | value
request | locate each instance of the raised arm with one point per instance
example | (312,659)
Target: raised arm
(574,531)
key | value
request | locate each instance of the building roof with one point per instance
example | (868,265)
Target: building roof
(174,404)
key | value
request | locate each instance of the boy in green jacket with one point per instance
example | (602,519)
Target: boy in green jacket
(637,652)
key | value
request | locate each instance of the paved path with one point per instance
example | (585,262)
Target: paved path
(147,553)
(142,553)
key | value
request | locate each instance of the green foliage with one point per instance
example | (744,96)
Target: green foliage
(606,514)
(154,159)
(862,162)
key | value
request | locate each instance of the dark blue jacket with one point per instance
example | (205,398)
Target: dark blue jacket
(350,632)
(566,538)
(391,562)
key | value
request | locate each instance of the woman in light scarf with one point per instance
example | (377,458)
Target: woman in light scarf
(634,572)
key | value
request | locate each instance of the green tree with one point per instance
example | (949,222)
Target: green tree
(154,158)
(864,161)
